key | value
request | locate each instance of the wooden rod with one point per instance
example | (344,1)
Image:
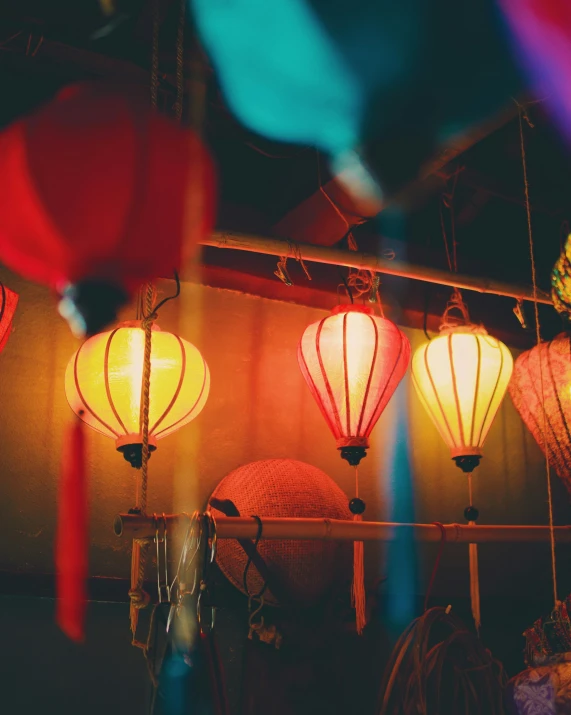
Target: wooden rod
(368,261)
(144,527)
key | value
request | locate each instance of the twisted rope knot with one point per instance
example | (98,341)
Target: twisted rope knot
(139,598)
(149,320)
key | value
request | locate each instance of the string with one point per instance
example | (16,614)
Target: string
(178,106)
(470,488)
(538,341)
(155,56)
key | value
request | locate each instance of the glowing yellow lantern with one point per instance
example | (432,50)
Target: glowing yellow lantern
(104,378)
(461,377)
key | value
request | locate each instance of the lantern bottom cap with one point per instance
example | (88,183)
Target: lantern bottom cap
(131,446)
(467,462)
(353,454)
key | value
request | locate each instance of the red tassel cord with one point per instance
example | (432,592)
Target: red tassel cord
(72,544)
(358,599)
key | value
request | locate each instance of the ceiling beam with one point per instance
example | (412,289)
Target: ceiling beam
(367,261)
(328,214)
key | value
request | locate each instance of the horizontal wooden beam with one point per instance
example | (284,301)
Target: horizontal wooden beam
(369,261)
(144,527)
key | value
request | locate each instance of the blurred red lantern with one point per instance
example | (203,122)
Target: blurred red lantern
(8,303)
(542,380)
(98,195)
(353,361)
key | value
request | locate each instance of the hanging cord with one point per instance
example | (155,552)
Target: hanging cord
(522,115)
(281,271)
(179,102)
(155,56)
(139,598)
(254,598)
(471,515)
(438,666)
(358,597)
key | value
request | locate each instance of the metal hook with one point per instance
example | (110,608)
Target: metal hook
(519,313)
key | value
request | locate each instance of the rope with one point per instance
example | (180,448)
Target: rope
(538,341)
(155,56)
(139,598)
(179,103)
(438,666)
(358,595)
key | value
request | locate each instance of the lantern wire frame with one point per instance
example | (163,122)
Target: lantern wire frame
(104,380)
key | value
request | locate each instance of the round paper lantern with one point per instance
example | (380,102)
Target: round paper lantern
(547,366)
(103,384)
(461,378)
(98,195)
(353,361)
(286,488)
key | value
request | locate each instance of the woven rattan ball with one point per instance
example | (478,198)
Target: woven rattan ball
(286,488)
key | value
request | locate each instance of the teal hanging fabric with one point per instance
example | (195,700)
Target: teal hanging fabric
(393,81)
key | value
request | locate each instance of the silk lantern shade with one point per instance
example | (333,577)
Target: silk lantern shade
(461,378)
(103,384)
(542,380)
(352,362)
(99,194)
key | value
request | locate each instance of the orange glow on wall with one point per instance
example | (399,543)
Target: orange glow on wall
(461,377)
(353,361)
(103,384)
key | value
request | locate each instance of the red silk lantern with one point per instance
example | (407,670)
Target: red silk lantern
(353,361)
(98,195)
(542,379)
(8,303)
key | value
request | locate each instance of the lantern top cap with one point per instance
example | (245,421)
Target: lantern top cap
(136,324)
(352,308)
(468,328)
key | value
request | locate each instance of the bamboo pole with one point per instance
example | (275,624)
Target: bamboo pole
(144,527)
(368,261)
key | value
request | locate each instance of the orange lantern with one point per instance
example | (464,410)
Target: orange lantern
(104,378)
(353,361)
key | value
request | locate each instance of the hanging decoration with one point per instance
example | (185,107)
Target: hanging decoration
(542,380)
(8,304)
(461,378)
(353,362)
(561,281)
(97,196)
(103,385)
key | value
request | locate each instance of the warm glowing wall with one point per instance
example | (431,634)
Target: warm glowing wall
(259,407)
